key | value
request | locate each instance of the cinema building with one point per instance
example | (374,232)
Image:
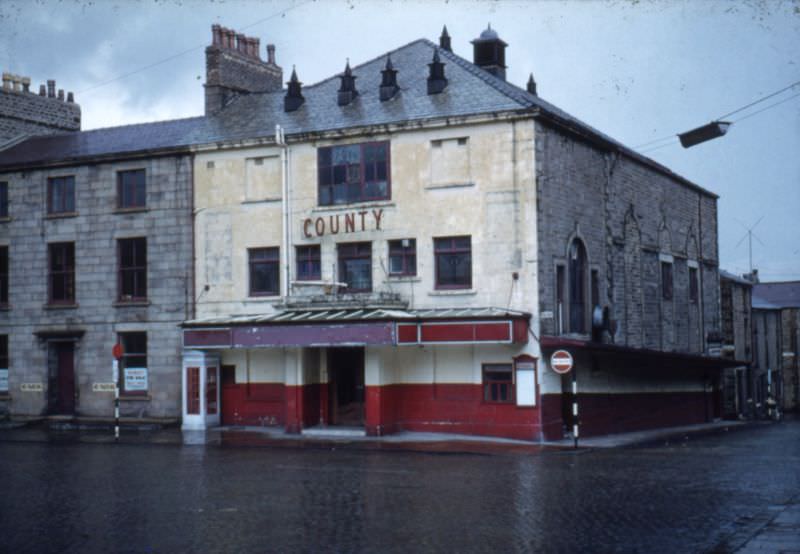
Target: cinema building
(403,246)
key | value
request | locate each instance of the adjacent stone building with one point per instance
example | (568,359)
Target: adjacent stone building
(737,344)
(24,113)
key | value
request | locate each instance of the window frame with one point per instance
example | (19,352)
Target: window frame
(272,257)
(53,183)
(67,274)
(139,270)
(347,251)
(489,392)
(305,255)
(362,179)
(578,274)
(440,250)
(396,248)
(4,199)
(694,285)
(133,193)
(4,360)
(667,281)
(4,267)
(124,361)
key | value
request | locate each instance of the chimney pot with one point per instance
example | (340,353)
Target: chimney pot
(70,98)
(51,88)
(216,37)
(271,54)
(61,94)
(6,80)
(257,48)
(241,43)
(42,91)
(16,81)
(26,84)
(231,34)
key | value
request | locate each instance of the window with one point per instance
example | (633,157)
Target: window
(577,286)
(131,189)
(403,257)
(61,195)
(309,267)
(560,299)
(693,286)
(3,275)
(61,277)
(133,365)
(498,383)
(355,266)
(353,173)
(3,364)
(3,199)
(132,269)
(264,271)
(666,280)
(453,257)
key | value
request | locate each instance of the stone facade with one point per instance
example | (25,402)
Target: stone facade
(92,323)
(22,112)
(631,219)
(234,67)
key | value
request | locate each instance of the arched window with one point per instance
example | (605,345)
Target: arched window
(577,286)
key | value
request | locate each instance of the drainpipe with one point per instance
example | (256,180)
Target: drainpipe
(280,140)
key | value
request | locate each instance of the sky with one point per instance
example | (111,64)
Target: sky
(638,70)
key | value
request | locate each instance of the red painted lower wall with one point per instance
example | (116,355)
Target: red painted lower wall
(253,404)
(601,414)
(446,408)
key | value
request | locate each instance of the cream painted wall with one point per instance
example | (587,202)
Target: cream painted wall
(496,207)
(258,365)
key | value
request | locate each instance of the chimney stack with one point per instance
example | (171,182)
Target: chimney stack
(444,40)
(70,98)
(234,67)
(26,84)
(436,79)
(531,87)
(271,54)
(51,88)
(6,81)
(42,91)
(16,80)
(388,81)
(61,94)
(294,94)
(347,90)
(489,52)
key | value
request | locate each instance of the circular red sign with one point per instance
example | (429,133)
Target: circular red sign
(561,361)
(116,351)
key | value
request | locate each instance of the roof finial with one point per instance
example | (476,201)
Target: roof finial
(388,86)
(444,40)
(531,87)
(347,90)
(294,94)
(436,79)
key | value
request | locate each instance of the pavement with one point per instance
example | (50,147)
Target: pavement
(41,430)
(781,535)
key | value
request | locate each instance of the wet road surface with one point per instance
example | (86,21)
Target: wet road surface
(709,494)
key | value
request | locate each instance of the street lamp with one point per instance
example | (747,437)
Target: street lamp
(709,131)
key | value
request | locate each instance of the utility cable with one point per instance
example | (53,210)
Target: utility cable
(184,52)
(767,97)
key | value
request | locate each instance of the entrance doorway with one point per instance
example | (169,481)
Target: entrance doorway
(346,386)
(61,378)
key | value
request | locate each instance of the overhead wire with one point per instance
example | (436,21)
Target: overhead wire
(653,145)
(184,52)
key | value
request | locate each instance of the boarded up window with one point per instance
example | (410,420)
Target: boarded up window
(450,161)
(263,178)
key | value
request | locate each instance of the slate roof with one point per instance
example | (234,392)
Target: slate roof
(776,295)
(735,278)
(470,91)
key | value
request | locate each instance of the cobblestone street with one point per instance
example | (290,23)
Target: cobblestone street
(707,494)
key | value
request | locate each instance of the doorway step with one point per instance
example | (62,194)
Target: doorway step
(338,432)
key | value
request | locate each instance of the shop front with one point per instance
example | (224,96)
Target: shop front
(379,371)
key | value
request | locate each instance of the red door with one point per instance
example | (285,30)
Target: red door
(61,382)
(230,396)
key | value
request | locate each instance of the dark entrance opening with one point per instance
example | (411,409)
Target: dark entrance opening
(230,396)
(61,378)
(346,386)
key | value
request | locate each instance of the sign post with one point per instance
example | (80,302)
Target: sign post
(561,362)
(117,352)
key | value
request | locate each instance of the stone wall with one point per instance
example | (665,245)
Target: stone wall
(97,317)
(631,219)
(23,112)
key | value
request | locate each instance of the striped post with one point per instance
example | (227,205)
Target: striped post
(575,406)
(116,400)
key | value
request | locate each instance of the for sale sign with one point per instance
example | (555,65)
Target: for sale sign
(135,378)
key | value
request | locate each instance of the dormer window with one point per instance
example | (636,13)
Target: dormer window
(353,173)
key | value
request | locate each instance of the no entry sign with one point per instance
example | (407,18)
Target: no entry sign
(561,361)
